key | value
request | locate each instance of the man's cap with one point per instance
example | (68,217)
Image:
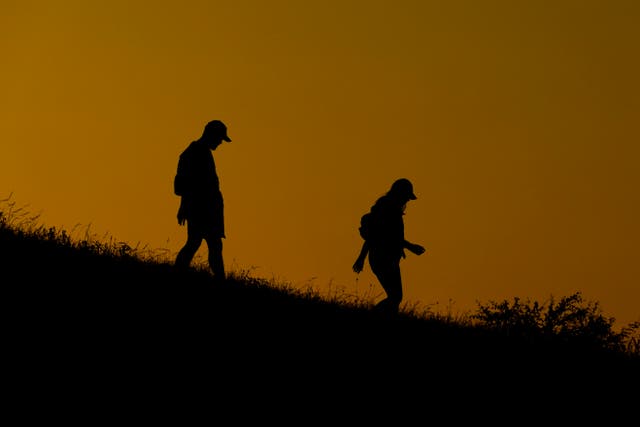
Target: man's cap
(403,186)
(216,127)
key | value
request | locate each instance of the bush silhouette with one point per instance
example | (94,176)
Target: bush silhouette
(568,319)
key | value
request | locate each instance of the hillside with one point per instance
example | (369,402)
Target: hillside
(81,316)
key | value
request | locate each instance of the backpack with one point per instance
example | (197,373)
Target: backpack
(180,182)
(366,228)
(179,185)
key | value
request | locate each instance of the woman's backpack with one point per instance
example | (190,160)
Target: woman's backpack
(367,227)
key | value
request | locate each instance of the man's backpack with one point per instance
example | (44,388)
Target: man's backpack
(179,185)
(180,182)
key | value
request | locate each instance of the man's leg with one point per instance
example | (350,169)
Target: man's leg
(216,261)
(188,251)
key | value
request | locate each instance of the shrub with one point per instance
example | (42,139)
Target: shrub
(569,319)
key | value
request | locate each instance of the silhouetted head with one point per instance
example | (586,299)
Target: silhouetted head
(403,189)
(216,129)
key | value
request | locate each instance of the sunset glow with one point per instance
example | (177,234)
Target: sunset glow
(517,123)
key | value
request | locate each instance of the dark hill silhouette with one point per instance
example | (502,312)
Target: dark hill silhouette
(82,314)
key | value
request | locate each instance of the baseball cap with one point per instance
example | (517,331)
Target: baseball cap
(216,127)
(404,186)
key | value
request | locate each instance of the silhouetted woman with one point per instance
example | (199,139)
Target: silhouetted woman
(385,247)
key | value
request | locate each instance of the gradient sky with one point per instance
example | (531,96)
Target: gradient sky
(517,121)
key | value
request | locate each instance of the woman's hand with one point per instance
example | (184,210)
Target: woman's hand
(358,265)
(182,218)
(416,249)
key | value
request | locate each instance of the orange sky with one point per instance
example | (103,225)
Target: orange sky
(516,121)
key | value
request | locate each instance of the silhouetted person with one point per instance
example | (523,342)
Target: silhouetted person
(385,247)
(201,203)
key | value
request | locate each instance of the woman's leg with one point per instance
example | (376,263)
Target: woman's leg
(388,274)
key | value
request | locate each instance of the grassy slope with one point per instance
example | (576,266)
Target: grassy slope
(84,319)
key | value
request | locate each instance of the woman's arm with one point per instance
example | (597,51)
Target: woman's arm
(359,264)
(415,248)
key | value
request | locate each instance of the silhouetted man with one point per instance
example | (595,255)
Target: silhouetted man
(201,204)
